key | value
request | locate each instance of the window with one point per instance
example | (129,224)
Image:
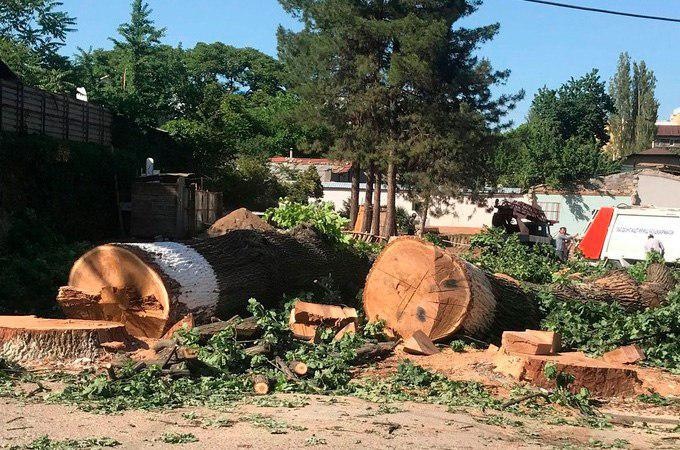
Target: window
(551,210)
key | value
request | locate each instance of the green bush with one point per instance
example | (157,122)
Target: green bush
(321,216)
(35,261)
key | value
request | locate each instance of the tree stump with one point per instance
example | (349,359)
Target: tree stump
(29,339)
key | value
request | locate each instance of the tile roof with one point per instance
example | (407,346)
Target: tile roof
(336,165)
(667,130)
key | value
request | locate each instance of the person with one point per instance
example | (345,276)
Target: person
(411,225)
(562,243)
(654,245)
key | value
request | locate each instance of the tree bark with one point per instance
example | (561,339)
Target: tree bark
(423,216)
(354,195)
(368,200)
(164,281)
(377,192)
(29,340)
(391,212)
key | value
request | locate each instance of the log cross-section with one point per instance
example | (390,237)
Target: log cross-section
(151,286)
(415,285)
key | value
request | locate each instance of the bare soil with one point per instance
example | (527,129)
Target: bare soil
(294,421)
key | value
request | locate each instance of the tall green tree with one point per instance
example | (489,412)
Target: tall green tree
(385,75)
(562,139)
(632,123)
(31,34)
(622,120)
(139,78)
(447,114)
(647,107)
(335,65)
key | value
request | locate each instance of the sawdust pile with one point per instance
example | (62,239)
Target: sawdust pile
(240,219)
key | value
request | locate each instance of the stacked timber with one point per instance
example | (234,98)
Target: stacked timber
(150,286)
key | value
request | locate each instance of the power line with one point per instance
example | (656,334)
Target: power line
(604,11)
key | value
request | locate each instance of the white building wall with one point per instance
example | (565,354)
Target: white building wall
(576,211)
(659,190)
(464,212)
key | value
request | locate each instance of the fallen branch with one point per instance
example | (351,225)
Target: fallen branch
(283,367)
(524,398)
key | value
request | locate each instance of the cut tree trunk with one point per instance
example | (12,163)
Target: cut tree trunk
(423,216)
(415,285)
(29,339)
(377,192)
(150,286)
(368,200)
(391,210)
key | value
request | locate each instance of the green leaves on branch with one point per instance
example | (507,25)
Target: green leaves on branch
(504,253)
(321,216)
(597,327)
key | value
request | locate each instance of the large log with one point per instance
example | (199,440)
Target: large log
(415,285)
(35,341)
(150,286)
(619,287)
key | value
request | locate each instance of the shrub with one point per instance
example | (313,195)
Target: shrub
(321,216)
(597,327)
(35,261)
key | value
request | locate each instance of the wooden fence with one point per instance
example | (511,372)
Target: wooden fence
(25,109)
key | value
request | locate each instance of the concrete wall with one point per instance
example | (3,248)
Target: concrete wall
(659,190)
(463,213)
(575,211)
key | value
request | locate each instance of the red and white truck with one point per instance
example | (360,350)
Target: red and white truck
(620,233)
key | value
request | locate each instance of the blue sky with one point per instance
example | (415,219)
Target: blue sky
(541,45)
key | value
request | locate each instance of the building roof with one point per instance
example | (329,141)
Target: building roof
(659,151)
(335,165)
(667,130)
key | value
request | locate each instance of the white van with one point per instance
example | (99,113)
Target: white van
(631,225)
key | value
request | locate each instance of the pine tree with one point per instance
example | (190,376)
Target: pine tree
(334,64)
(392,76)
(140,35)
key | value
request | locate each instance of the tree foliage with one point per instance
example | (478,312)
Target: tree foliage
(632,123)
(562,139)
(400,87)
(31,34)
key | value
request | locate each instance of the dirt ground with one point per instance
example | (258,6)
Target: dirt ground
(294,421)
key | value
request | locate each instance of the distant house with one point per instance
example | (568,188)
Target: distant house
(328,169)
(662,158)
(665,152)
(573,207)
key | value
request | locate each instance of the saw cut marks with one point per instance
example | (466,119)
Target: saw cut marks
(29,339)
